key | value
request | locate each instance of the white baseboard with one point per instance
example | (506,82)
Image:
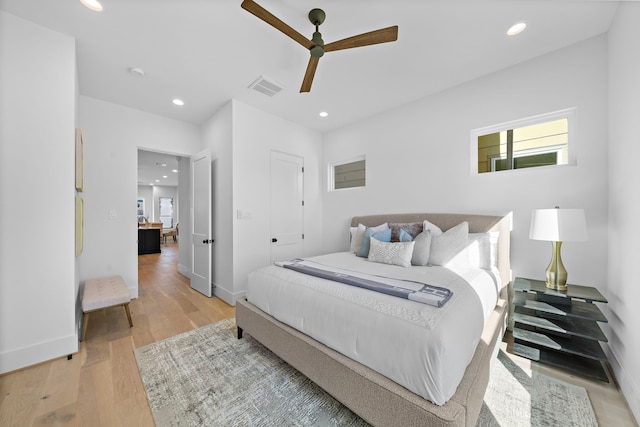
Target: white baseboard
(185,271)
(38,353)
(133,292)
(226,296)
(630,389)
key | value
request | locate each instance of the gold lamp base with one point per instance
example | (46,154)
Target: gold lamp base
(556,273)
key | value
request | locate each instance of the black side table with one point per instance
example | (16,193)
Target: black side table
(560,327)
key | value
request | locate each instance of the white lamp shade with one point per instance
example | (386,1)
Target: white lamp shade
(558,225)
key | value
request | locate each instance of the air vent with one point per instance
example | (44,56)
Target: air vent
(266,86)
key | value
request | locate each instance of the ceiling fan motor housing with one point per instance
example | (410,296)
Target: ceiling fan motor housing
(317,51)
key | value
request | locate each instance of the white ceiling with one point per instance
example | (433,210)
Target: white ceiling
(207,52)
(157,168)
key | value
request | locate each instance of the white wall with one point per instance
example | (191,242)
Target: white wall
(241,139)
(623,291)
(165,191)
(152,195)
(146,192)
(255,135)
(418,158)
(113,134)
(37,208)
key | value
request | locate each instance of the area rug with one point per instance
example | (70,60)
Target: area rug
(207,377)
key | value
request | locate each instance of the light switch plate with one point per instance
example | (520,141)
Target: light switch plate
(241,214)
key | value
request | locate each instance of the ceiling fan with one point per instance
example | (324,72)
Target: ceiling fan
(316,45)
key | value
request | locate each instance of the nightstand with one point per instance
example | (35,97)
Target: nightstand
(560,328)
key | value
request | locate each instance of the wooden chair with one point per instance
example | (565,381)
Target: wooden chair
(170,232)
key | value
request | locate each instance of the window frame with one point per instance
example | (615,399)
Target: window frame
(568,113)
(331,184)
(553,149)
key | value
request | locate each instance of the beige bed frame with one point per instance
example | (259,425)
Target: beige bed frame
(375,398)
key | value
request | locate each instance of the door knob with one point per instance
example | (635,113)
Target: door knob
(207,241)
(274,240)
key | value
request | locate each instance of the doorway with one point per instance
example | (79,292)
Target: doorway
(159,202)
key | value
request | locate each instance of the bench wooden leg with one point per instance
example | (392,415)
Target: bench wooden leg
(126,308)
(85,321)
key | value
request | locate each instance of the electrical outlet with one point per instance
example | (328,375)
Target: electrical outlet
(113,214)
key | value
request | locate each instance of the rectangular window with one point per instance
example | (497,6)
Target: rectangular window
(537,141)
(166,212)
(349,174)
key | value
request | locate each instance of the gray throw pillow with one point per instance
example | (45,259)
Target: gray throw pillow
(413,228)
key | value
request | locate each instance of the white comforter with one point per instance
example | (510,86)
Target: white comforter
(423,348)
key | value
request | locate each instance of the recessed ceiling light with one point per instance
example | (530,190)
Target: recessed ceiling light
(517,28)
(151,183)
(174,170)
(178,102)
(157,180)
(92,4)
(323,114)
(164,176)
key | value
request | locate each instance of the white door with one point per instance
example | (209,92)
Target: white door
(201,240)
(287,206)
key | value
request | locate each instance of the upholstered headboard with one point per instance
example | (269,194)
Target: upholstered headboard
(477,224)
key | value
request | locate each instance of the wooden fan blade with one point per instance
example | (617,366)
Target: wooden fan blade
(308,76)
(384,35)
(257,10)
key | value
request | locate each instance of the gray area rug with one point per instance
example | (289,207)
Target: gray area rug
(207,377)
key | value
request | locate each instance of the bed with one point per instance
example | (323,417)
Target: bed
(376,392)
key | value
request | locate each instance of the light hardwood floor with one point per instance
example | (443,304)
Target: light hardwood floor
(101,386)
(609,405)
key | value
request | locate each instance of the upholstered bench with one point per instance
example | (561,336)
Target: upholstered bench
(103,293)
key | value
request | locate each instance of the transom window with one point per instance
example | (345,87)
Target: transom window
(347,174)
(537,141)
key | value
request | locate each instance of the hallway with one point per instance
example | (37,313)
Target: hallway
(167,305)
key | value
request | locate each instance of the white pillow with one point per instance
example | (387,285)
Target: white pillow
(494,237)
(481,251)
(396,253)
(448,244)
(435,230)
(422,249)
(357,242)
(360,234)
(352,238)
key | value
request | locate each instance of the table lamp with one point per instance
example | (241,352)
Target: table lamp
(557,226)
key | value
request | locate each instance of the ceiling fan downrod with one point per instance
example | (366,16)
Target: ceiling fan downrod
(317,17)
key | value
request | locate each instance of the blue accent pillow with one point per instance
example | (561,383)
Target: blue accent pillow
(403,236)
(383,236)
